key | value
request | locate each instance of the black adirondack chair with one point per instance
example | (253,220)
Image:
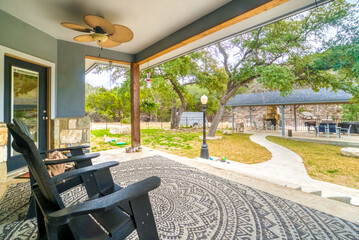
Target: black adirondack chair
(77,156)
(115,212)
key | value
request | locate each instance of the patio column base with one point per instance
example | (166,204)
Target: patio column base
(133,149)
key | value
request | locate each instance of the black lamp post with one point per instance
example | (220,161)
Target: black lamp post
(204,148)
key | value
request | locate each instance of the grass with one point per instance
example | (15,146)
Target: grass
(236,147)
(324,162)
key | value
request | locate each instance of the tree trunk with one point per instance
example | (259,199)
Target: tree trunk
(218,116)
(216,120)
(176,116)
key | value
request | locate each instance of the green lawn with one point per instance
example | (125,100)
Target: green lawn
(187,143)
(324,162)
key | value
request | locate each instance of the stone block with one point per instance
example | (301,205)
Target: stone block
(70,136)
(3,135)
(88,135)
(84,136)
(72,123)
(63,124)
(3,171)
(56,123)
(84,123)
(3,153)
(344,199)
(350,152)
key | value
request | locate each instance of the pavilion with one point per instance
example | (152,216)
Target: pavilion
(296,98)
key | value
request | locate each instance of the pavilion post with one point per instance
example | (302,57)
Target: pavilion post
(295,107)
(282,119)
(250,116)
(135,106)
(232,119)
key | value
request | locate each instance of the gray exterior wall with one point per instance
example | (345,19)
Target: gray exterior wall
(71,75)
(25,38)
(70,84)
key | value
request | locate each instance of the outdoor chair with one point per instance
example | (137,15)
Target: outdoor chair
(268,125)
(114,213)
(327,128)
(75,156)
(255,125)
(239,127)
(345,128)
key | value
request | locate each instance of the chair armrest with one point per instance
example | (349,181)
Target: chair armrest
(72,159)
(105,203)
(65,149)
(80,171)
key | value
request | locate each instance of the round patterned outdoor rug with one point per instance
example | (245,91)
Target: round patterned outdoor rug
(191,204)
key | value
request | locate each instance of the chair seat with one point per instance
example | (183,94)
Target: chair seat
(115,221)
(84,227)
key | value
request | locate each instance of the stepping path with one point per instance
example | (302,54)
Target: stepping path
(286,168)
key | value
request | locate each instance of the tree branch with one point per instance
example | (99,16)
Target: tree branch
(225,59)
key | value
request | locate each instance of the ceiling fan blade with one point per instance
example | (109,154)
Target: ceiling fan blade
(94,21)
(122,34)
(108,43)
(83,38)
(76,27)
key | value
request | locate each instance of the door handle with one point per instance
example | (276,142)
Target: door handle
(44,118)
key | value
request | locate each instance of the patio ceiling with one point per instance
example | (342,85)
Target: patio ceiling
(163,29)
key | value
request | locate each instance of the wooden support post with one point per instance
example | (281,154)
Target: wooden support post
(232,119)
(135,106)
(250,116)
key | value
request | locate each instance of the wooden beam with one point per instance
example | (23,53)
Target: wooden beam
(108,60)
(219,27)
(135,106)
(26,60)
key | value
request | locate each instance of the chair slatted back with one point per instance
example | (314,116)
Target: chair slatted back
(25,145)
(332,127)
(18,122)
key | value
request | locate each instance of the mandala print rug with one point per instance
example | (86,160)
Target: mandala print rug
(192,204)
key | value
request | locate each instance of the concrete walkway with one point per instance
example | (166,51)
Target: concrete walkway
(286,168)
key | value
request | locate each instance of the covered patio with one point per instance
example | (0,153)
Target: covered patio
(195,200)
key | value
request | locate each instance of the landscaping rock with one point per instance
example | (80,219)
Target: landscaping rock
(227,132)
(344,199)
(350,152)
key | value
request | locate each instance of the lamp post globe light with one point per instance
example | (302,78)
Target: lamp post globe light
(204,148)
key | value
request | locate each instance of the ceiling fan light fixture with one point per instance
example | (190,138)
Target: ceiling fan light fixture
(99,37)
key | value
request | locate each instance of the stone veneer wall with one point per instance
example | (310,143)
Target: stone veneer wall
(3,151)
(320,111)
(66,132)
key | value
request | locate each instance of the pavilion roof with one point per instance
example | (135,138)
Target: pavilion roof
(301,96)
